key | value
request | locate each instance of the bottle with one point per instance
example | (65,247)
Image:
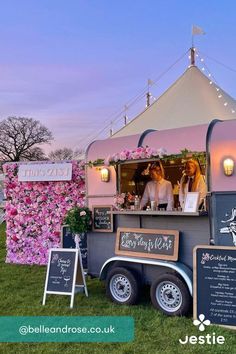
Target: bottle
(136,202)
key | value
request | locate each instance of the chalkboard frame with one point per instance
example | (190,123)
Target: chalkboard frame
(72,293)
(195,300)
(173,257)
(110,207)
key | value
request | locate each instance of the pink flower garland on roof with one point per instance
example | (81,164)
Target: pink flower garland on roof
(139,153)
(35,212)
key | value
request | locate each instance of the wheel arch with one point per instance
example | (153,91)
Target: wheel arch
(181,269)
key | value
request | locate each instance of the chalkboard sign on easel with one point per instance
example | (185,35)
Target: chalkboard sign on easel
(215,284)
(147,243)
(102,218)
(64,273)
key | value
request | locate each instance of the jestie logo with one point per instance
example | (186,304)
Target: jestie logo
(209,339)
(201,323)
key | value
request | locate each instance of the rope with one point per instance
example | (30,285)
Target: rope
(117,116)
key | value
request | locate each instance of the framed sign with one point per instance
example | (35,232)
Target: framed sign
(147,243)
(63,269)
(214,274)
(191,202)
(102,218)
(45,172)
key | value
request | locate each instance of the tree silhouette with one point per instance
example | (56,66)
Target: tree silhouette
(20,137)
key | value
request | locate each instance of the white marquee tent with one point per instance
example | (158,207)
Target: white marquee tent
(192,100)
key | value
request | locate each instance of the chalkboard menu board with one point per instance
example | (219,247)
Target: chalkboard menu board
(223,207)
(102,218)
(215,284)
(147,243)
(62,272)
(62,266)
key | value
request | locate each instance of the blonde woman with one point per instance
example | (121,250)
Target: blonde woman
(159,189)
(192,181)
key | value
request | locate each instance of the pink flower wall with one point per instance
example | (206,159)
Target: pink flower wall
(35,212)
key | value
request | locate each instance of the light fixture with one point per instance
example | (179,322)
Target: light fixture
(105,174)
(228,166)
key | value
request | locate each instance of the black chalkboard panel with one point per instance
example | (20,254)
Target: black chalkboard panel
(102,218)
(68,241)
(62,268)
(223,207)
(215,284)
(147,243)
(67,237)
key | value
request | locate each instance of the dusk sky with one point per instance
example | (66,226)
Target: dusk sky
(74,64)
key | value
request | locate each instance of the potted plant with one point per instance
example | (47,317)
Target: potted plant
(79,221)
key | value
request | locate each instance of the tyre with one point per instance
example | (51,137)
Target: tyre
(170,295)
(122,286)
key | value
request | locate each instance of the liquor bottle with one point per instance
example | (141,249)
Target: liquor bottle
(136,202)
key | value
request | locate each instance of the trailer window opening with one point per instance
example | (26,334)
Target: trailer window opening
(133,175)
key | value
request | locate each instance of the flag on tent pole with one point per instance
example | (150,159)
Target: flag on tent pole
(197,30)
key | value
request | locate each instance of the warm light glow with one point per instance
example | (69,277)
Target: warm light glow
(105,174)
(228,166)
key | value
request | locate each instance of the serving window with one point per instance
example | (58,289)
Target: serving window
(133,175)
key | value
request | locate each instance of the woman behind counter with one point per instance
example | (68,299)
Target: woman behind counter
(192,181)
(159,189)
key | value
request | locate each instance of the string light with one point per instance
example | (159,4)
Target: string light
(219,92)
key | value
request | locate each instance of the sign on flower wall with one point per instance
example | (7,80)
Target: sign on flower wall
(45,172)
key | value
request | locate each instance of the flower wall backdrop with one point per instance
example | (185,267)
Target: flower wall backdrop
(35,213)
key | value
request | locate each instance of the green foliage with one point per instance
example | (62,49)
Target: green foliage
(79,219)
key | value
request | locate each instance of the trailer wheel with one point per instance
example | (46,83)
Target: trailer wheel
(170,295)
(122,286)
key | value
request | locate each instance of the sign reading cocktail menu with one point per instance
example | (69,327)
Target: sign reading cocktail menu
(147,243)
(215,284)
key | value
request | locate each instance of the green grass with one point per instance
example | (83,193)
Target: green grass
(21,294)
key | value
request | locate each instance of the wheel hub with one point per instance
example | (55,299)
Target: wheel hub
(169,296)
(120,288)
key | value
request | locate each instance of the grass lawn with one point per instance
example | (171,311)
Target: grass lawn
(21,294)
